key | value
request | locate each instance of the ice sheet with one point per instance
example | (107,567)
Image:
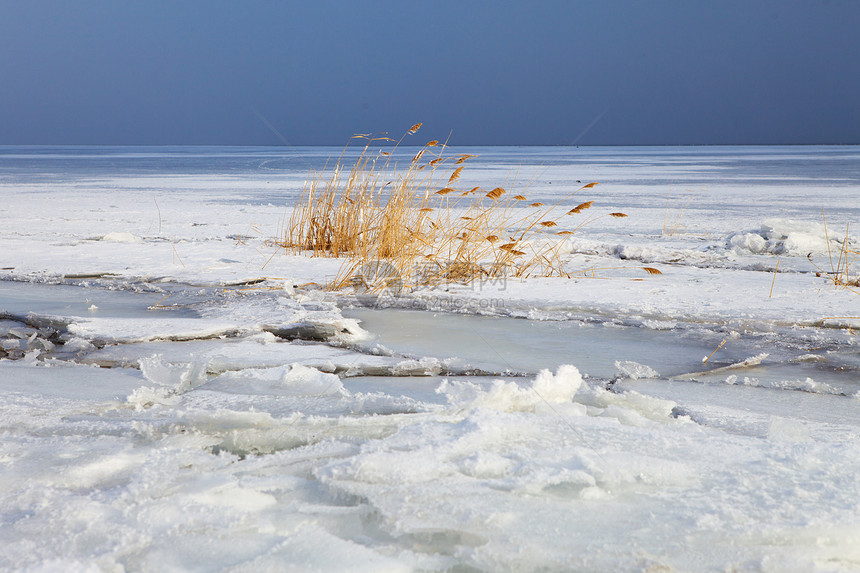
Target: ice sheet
(178,394)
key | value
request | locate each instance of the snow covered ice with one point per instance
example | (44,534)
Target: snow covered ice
(180,395)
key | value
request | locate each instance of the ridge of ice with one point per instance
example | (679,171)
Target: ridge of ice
(787,237)
(120,237)
(546,388)
(634,370)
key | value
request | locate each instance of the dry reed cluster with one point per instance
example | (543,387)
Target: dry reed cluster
(419,220)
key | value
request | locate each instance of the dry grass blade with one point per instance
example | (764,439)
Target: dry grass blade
(840,273)
(821,322)
(708,357)
(674,215)
(773,282)
(826,238)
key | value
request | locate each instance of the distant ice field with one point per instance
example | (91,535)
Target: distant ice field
(180,394)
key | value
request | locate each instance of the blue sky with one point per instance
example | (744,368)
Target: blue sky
(605,72)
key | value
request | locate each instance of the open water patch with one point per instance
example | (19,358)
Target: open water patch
(608,351)
(527,346)
(24,298)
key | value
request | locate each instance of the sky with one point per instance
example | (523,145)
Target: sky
(603,72)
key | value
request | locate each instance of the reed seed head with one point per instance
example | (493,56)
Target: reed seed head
(495,194)
(581,207)
(455,175)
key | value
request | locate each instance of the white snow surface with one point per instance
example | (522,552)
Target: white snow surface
(180,395)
